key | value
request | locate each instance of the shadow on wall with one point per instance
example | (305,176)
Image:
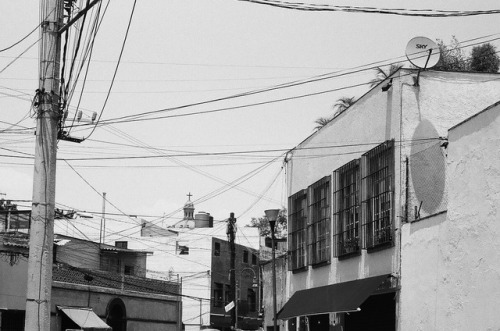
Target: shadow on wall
(427,172)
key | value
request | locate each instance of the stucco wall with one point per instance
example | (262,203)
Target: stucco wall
(451,269)
(13,280)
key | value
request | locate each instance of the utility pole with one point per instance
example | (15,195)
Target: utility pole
(38,293)
(231,233)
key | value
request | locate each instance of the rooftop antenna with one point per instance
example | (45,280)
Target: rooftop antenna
(423,53)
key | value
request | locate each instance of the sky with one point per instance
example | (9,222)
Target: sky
(180,57)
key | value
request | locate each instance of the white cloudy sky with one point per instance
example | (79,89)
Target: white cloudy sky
(181,52)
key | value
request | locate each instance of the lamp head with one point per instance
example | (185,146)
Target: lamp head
(272,216)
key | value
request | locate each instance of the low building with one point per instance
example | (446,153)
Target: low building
(83,295)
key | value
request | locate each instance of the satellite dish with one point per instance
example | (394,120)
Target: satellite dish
(422,52)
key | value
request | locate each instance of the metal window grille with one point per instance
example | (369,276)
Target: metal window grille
(121,244)
(227,294)
(319,227)
(347,209)
(377,190)
(217,300)
(298,226)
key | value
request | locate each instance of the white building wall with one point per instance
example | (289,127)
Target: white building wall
(410,115)
(451,269)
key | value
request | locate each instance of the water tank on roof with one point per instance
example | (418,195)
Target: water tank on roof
(202,220)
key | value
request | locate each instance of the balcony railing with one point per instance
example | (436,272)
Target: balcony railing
(347,243)
(378,236)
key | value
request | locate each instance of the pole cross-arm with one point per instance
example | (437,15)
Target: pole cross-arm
(77,16)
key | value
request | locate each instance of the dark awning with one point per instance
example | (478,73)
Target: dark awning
(341,297)
(85,318)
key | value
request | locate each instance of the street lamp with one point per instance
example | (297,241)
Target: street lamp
(272,216)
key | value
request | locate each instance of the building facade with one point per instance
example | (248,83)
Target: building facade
(456,282)
(355,183)
(248,280)
(84,295)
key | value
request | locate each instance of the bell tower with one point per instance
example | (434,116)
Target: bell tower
(189,209)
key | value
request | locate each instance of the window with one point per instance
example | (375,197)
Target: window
(183,249)
(227,294)
(319,227)
(346,208)
(254,259)
(121,244)
(12,319)
(252,300)
(297,236)
(377,195)
(218,295)
(128,270)
(217,249)
(245,256)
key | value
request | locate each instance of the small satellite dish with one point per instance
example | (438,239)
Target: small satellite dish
(422,52)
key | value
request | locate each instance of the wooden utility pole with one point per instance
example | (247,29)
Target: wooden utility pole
(231,233)
(38,292)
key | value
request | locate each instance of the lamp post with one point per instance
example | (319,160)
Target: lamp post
(272,216)
(238,293)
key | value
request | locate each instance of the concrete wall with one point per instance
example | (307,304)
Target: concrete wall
(451,269)
(13,280)
(144,312)
(267,290)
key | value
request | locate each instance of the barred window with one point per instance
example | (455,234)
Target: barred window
(377,199)
(319,227)
(217,249)
(217,299)
(227,294)
(346,209)
(297,218)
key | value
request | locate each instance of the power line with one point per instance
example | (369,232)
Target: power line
(19,41)
(116,69)
(232,152)
(361,68)
(373,65)
(371,10)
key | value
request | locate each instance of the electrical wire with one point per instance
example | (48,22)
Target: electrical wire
(116,70)
(19,56)
(20,40)
(371,10)
(313,79)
